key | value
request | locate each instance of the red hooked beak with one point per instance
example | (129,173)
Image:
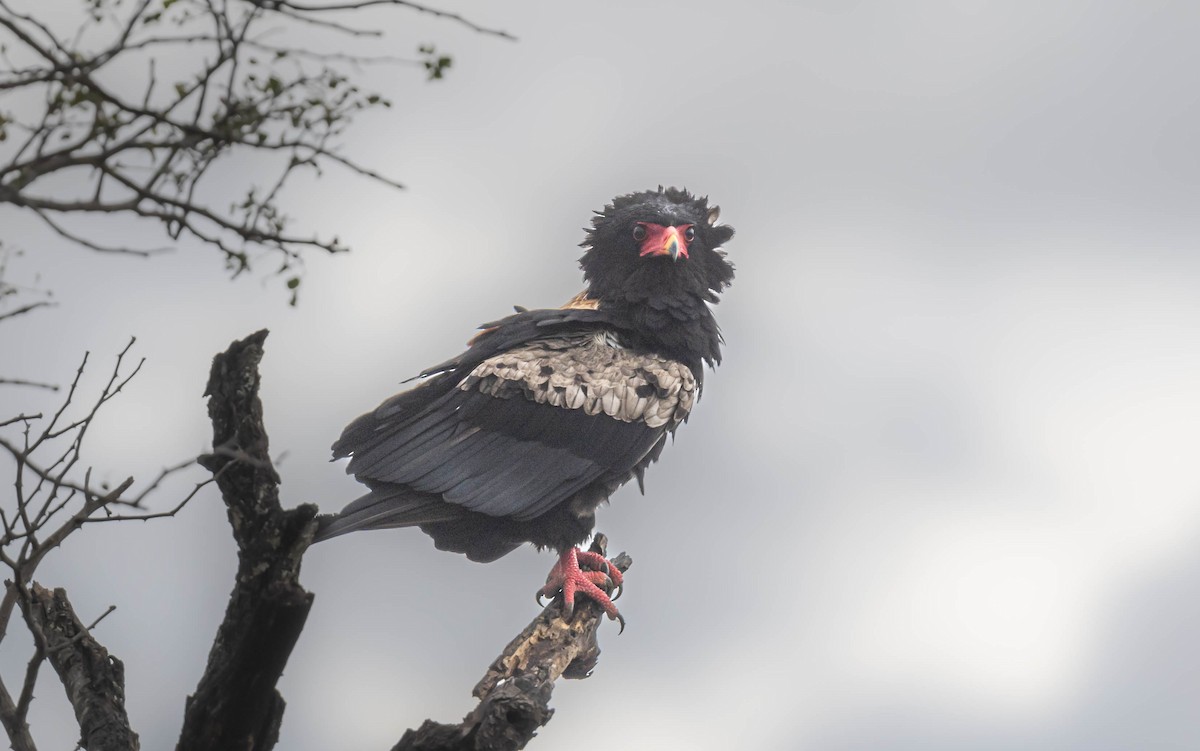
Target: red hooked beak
(664,241)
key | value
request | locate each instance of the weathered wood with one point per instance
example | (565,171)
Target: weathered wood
(514,693)
(236,706)
(94,680)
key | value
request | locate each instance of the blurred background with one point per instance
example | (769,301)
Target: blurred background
(943,493)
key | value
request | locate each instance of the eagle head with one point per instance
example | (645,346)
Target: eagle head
(656,244)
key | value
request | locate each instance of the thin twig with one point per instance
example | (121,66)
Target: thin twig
(359,4)
(25,309)
(86,630)
(31,674)
(21,382)
(22,418)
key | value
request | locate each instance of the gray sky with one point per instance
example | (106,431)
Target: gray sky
(941,495)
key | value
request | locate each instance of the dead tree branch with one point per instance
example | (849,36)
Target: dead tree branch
(356,5)
(236,704)
(94,680)
(514,694)
(13,717)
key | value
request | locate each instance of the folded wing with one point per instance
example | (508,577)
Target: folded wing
(515,435)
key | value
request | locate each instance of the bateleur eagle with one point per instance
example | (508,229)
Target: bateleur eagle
(519,438)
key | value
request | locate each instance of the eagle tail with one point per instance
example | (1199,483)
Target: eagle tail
(384,508)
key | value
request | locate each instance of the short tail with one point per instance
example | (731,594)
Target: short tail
(386,507)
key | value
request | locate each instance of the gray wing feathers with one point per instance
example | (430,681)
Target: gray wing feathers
(522,432)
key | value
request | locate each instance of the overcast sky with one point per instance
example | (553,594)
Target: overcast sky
(943,493)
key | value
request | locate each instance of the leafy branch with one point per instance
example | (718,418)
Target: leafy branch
(99,143)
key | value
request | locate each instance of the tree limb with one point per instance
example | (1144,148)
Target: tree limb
(94,679)
(514,694)
(15,726)
(357,4)
(236,704)
(25,309)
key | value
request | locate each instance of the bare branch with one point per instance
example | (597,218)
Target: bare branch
(25,309)
(359,4)
(66,234)
(109,611)
(21,382)
(158,514)
(514,694)
(22,418)
(323,23)
(31,674)
(356,61)
(10,292)
(49,503)
(15,726)
(94,680)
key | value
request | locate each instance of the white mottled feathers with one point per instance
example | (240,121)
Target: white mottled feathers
(593,374)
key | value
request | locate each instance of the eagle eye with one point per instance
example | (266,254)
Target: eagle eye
(639,232)
(689,234)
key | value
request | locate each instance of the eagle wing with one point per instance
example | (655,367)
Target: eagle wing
(515,432)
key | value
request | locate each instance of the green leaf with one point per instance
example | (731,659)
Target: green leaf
(435,65)
(294,285)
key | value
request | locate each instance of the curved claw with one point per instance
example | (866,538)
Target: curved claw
(537,596)
(595,581)
(621,620)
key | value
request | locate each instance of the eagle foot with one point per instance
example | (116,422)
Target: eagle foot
(595,581)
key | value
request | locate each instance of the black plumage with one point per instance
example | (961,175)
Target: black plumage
(519,438)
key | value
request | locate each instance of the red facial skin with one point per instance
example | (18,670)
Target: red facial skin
(664,241)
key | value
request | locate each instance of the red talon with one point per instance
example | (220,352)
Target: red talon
(569,579)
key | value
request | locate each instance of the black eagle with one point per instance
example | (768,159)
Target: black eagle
(524,434)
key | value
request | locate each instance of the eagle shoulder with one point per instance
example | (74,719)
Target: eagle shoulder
(592,373)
